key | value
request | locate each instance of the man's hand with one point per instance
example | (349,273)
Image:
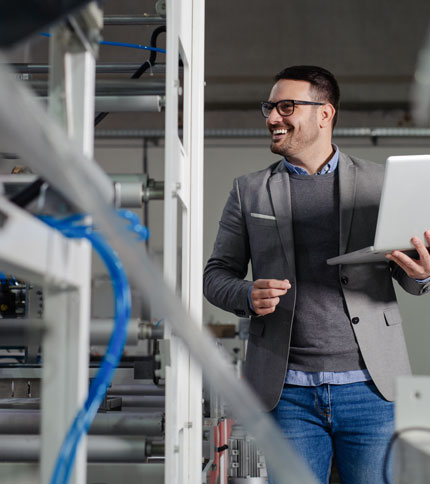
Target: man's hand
(265,294)
(414,268)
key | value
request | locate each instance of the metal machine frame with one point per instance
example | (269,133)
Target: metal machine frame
(65,269)
(184,196)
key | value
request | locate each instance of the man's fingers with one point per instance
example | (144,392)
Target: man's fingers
(421,248)
(264,312)
(404,261)
(267,293)
(416,269)
(272,284)
(267,303)
(266,306)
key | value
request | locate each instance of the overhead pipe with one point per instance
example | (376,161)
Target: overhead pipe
(262,133)
(102,68)
(134,20)
(108,87)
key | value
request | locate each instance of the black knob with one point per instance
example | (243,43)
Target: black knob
(344,280)
(355,320)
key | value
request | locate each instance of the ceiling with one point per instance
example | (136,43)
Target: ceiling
(371,46)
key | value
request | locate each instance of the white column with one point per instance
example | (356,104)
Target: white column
(184,198)
(67,312)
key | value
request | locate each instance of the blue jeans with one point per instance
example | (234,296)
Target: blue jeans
(350,422)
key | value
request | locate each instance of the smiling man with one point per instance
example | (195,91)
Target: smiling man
(326,342)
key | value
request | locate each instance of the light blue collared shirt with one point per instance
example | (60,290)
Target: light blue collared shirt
(330,166)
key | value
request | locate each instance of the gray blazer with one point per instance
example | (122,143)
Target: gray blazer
(256,226)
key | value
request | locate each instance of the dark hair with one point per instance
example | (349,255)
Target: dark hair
(322,81)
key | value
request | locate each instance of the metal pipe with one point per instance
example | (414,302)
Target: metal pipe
(29,331)
(139,389)
(107,87)
(101,329)
(112,423)
(130,190)
(26,448)
(262,133)
(150,104)
(151,401)
(21,331)
(154,190)
(134,20)
(105,68)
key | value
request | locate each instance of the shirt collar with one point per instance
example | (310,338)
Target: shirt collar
(329,167)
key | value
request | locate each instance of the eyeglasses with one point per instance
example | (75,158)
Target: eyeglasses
(285,107)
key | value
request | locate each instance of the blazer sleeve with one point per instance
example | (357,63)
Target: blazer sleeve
(223,278)
(407,283)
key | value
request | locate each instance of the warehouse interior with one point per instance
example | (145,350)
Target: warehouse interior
(129,128)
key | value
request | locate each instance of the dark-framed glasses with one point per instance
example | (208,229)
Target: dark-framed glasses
(285,107)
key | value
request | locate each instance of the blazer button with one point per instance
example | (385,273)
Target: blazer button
(355,320)
(344,280)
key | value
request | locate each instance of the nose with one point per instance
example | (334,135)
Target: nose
(274,117)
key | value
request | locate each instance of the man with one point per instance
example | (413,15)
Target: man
(326,342)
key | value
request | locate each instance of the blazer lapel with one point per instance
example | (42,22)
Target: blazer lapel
(347,184)
(279,186)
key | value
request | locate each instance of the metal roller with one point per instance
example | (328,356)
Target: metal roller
(26,448)
(112,423)
(151,401)
(30,331)
(139,389)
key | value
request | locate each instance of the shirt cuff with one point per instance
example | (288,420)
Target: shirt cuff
(423,281)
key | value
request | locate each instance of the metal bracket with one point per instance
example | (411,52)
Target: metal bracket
(163,358)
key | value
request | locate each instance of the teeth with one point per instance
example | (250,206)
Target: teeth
(280,131)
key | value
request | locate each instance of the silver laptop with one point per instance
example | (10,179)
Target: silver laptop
(404,210)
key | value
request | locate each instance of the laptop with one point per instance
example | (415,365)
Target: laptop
(404,210)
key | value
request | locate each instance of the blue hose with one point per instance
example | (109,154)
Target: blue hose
(122,298)
(121,44)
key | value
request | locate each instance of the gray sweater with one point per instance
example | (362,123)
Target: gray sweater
(322,337)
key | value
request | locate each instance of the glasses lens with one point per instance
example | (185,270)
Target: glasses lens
(266,108)
(285,108)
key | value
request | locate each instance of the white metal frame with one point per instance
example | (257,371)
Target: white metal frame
(67,312)
(184,194)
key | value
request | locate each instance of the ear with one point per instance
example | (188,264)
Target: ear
(327,113)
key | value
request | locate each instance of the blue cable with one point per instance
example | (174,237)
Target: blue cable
(122,298)
(121,44)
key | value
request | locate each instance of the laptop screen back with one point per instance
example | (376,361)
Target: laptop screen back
(404,210)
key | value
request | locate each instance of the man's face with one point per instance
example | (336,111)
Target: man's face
(293,134)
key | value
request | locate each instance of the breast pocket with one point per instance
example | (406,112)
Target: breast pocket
(262,220)
(392,316)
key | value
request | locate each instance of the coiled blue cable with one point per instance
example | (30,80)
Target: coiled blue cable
(122,300)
